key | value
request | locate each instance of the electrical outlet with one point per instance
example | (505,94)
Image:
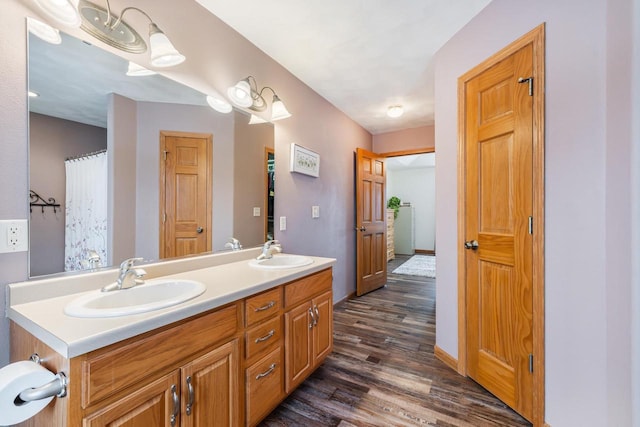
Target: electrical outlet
(315,211)
(283,223)
(14,235)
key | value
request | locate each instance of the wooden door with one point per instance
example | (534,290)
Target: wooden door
(298,344)
(323,329)
(210,389)
(151,405)
(371,229)
(185,193)
(499,205)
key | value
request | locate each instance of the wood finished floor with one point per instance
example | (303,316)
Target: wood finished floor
(383,372)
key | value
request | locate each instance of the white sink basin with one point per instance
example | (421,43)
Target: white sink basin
(281,261)
(152,295)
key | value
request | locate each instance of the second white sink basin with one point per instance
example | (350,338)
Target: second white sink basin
(281,261)
(152,295)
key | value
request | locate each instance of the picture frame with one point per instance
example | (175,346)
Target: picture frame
(304,161)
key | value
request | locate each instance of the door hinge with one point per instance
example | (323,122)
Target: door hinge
(530,225)
(165,154)
(531,363)
(528,80)
(164,217)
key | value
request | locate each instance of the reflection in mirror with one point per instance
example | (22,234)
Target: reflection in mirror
(87,104)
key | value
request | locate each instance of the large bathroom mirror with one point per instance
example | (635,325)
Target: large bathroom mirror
(86,104)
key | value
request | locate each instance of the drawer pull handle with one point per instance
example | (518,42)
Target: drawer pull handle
(315,308)
(266,337)
(176,405)
(265,307)
(191,395)
(313,319)
(267,372)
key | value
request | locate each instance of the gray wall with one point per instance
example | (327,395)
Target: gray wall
(249,179)
(52,140)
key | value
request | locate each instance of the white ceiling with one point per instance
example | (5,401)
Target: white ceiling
(412,161)
(361,55)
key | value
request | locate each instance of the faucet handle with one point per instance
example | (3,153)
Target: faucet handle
(128,263)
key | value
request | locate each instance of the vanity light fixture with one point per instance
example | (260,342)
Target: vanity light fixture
(111,29)
(219,104)
(135,70)
(395,111)
(245,94)
(64,12)
(44,31)
(255,120)
(33,94)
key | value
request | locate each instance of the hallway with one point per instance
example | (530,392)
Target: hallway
(383,372)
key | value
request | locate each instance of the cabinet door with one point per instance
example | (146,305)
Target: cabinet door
(210,389)
(323,329)
(156,404)
(298,347)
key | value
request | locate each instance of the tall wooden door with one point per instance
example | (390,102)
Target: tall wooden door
(499,195)
(371,228)
(185,193)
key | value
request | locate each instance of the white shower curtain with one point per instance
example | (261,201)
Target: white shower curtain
(86,211)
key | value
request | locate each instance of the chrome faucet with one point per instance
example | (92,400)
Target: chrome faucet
(233,244)
(128,276)
(269,248)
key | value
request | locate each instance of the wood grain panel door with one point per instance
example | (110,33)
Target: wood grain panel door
(323,330)
(499,194)
(151,405)
(185,193)
(299,344)
(371,228)
(210,389)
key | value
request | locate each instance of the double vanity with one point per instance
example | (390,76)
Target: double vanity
(226,357)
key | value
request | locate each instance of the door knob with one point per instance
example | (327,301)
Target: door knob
(471,244)
(361,229)
(199,230)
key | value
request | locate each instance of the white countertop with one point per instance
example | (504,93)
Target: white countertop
(45,319)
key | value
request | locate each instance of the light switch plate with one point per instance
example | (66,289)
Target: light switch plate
(256,211)
(283,223)
(315,211)
(14,235)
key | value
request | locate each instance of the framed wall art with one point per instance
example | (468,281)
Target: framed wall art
(304,161)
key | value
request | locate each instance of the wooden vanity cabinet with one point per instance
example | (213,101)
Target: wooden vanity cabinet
(308,321)
(230,366)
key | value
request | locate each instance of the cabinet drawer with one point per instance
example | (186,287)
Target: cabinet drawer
(262,337)
(262,306)
(111,370)
(306,288)
(264,384)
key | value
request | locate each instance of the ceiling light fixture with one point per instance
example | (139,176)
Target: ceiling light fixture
(395,111)
(219,104)
(44,31)
(111,29)
(245,94)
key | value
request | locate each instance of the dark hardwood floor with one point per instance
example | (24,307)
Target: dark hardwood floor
(383,372)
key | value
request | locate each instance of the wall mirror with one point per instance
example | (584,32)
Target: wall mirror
(87,104)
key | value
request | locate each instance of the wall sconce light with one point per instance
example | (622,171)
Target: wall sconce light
(107,27)
(219,104)
(245,94)
(44,31)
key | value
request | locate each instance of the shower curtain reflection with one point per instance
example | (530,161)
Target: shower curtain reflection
(86,212)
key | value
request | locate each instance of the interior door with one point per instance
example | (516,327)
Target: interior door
(185,193)
(371,228)
(499,200)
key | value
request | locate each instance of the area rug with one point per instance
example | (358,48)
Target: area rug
(418,265)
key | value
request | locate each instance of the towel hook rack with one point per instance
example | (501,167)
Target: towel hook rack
(37,200)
